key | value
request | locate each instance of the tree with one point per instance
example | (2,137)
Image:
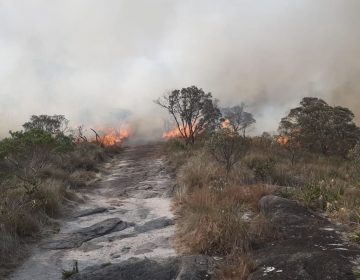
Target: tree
(56,124)
(319,127)
(354,156)
(193,111)
(238,119)
(227,147)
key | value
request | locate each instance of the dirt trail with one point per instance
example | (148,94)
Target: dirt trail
(126,215)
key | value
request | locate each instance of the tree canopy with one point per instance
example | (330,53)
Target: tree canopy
(56,124)
(193,111)
(238,119)
(319,127)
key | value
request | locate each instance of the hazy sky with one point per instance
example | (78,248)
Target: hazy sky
(101,61)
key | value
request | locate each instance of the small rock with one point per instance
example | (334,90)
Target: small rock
(154,224)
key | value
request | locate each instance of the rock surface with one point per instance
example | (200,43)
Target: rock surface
(92,211)
(175,268)
(126,215)
(77,238)
(161,222)
(309,246)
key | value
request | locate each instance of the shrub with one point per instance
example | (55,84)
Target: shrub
(227,148)
(320,195)
(263,168)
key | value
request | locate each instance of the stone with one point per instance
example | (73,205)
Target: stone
(173,268)
(88,212)
(304,249)
(77,238)
(154,224)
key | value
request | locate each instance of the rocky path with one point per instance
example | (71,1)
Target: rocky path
(123,231)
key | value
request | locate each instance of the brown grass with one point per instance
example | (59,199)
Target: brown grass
(212,207)
(239,268)
(207,220)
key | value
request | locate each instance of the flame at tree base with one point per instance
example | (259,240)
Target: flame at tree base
(175,133)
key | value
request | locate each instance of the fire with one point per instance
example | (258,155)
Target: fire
(175,133)
(112,136)
(282,140)
(225,123)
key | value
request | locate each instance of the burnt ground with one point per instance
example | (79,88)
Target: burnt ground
(309,246)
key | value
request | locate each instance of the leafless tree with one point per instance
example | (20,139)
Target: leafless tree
(238,119)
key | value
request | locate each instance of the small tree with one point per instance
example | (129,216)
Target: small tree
(193,111)
(319,127)
(238,119)
(227,148)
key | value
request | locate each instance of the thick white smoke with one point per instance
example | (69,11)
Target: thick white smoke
(102,62)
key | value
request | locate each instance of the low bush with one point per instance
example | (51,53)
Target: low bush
(227,148)
(263,168)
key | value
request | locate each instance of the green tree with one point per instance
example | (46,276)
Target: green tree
(319,127)
(193,111)
(56,124)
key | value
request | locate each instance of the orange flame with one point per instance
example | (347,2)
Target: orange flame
(175,133)
(282,140)
(225,123)
(112,136)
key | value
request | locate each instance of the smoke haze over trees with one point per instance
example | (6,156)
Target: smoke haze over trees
(94,60)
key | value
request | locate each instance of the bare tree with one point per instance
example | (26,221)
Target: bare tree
(238,119)
(193,111)
(98,139)
(80,134)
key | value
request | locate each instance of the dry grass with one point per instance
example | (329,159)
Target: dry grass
(217,213)
(238,268)
(27,208)
(208,219)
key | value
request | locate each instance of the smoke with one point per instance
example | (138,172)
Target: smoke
(104,62)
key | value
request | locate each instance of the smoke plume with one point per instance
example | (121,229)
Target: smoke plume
(104,62)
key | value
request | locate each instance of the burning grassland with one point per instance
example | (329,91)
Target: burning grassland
(111,136)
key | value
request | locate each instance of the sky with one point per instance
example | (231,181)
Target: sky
(103,63)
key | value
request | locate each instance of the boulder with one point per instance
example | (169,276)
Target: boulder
(309,246)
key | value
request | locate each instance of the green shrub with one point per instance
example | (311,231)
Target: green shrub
(263,168)
(22,144)
(321,195)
